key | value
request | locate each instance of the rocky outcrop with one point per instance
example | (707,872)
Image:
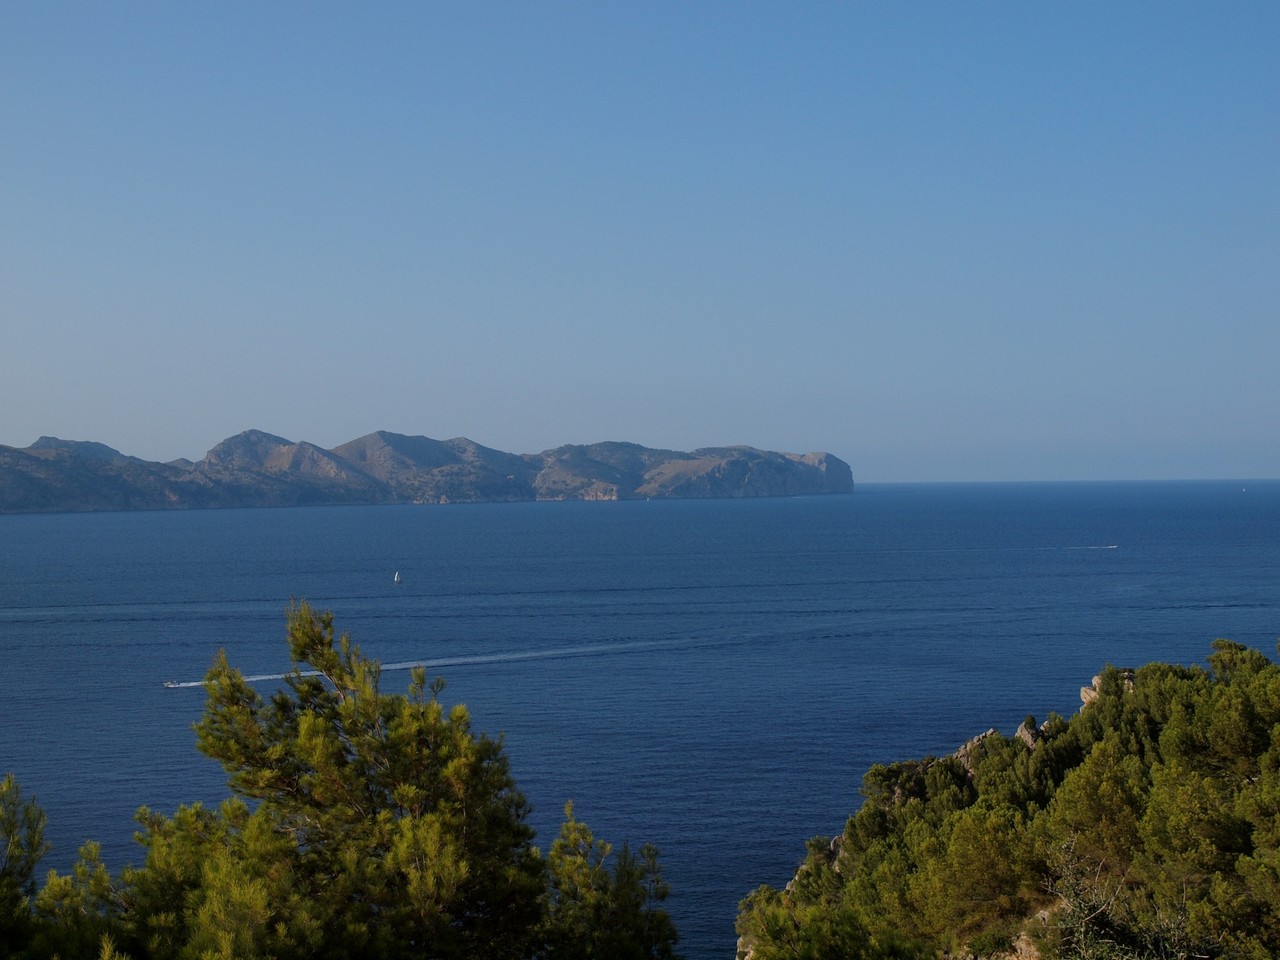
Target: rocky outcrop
(1092,692)
(1029,733)
(256,468)
(973,749)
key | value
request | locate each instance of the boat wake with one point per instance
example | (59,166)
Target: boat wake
(512,656)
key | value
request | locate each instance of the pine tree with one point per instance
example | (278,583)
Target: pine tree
(22,844)
(406,833)
(595,910)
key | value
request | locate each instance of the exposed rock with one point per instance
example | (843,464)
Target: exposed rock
(270,471)
(422,470)
(256,468)
(1028,733)
(1091,693)
(1024,948)
(972,749)
(602,471)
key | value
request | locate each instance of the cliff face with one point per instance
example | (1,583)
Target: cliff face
(259,469)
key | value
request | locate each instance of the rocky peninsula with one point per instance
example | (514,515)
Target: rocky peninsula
(257,469)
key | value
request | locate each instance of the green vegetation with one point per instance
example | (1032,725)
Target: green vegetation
(363,825)
(374,825)
(1146,826)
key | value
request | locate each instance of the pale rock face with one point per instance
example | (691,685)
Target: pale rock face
(1028,734)
(968,754)
(1090,693)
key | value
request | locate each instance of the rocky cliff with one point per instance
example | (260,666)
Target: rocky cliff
(259,469)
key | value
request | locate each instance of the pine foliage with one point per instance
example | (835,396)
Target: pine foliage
(1146,826)
(363,824)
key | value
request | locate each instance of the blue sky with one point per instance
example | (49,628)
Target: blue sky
(944,241)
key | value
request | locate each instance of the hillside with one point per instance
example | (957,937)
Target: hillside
(255,468)
(1145,827)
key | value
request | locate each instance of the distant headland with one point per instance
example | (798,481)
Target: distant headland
(257,469)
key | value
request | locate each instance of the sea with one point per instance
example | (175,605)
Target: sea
(711,676)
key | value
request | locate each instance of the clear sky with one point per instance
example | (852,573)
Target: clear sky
(944,241)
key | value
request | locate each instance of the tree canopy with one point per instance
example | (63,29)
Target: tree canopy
(1146,826)
(362,824)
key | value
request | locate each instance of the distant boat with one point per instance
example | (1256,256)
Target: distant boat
(397,576)
(171,683)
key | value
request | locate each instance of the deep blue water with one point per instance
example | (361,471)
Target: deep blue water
(713,676)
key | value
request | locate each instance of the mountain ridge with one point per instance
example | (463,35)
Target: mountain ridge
(256,468)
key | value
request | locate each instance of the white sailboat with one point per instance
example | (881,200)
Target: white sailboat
(397,576)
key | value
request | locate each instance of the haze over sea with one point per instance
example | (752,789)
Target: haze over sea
(712,676)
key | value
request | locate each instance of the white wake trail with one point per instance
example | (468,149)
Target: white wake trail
(511,656)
